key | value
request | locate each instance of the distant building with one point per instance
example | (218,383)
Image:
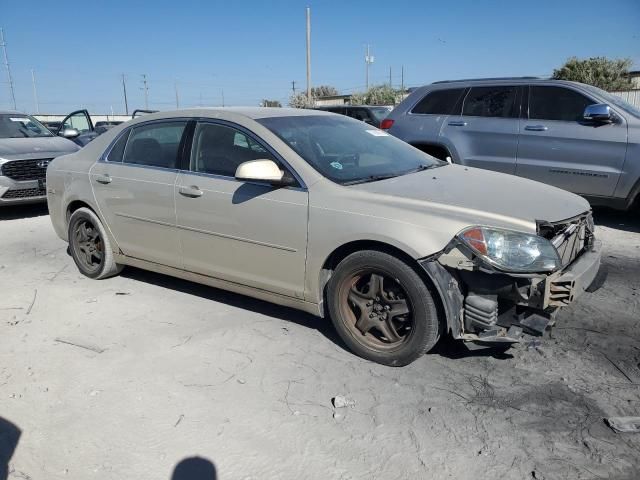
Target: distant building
(634,76)
(333,100)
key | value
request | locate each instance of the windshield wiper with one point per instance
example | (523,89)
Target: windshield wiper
(370,178)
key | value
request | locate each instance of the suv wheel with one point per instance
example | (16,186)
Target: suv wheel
(382,309)
(89,245)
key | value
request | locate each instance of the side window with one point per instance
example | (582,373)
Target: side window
(557,103)
(360,114)
(440,102)
(155,144)
(78,121)
(219,149)
(116,153)
(491,102)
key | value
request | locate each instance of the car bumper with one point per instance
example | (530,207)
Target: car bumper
(14,192)
(496,307)
(585,274)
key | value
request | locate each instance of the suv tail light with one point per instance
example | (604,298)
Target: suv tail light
(386,124)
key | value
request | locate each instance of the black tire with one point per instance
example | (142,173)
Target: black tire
(387,334)
(90,247)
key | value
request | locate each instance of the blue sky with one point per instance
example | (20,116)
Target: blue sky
(253,50)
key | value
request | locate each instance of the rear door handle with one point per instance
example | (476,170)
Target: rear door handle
(536,128)
(457,123)
(104,179)
(191,192)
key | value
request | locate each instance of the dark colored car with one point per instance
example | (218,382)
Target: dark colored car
(373,115)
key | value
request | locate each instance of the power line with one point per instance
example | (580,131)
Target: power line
(124,91)
(35,92)
(6,64)
(146,91)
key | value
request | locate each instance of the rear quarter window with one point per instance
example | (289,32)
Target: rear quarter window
(440,102)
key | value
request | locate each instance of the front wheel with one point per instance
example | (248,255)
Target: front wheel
(89,245)
(382,309)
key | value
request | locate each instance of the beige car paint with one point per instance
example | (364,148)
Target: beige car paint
(262,248)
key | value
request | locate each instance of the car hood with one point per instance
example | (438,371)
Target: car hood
(42,147)
(482,195)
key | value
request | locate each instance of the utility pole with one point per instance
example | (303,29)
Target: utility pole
(293,87)
(175,85)
(309,54)
(402,79)
(35,92)
(6,64)
(146,91)
(368,60)
(222,89)
(390,85)
(124,91)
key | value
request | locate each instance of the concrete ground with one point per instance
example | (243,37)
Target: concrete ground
(127,377)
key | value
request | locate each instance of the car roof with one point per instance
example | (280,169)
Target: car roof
(11,112)
(501,81)
(253,113)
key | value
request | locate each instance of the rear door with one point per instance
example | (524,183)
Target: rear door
(245,232)
(134,188)
(558,147)
(485,134)
(424,120)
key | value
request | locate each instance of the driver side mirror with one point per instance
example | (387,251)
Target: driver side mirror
(599,112)
(70,133)
(265,171)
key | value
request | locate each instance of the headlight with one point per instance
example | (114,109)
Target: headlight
(512,251)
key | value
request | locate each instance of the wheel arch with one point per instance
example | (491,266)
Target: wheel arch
(343,251)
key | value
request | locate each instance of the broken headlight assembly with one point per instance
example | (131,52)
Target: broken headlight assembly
(511,251)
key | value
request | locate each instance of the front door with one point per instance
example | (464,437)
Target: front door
(486,134)
(248,233)
(81,121)
(134,188)
(558,147)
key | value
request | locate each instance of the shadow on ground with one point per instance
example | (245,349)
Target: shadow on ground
(627,221)
(194,468)
(15,212)
(9,436)
(322,325)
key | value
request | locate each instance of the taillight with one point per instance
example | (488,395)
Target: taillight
(386,124)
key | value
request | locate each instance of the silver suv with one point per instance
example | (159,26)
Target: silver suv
(567,134)
(26,148)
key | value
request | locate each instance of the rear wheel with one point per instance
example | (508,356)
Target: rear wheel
(89,245)
(382,309)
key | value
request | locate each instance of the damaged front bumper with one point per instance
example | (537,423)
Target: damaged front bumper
(488,306)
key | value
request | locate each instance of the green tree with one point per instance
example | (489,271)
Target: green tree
(602,72)
(300,100)
(270,103)
(324,91)
(377,95)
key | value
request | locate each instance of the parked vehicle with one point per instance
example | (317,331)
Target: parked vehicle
(26,148)
(570,135)
(328,215)
(79,127)
(52,126)
(373,115)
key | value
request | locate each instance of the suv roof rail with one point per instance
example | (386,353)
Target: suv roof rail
(488,78)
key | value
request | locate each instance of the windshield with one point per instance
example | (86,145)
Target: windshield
(21,126)
(347,151)
(617,101)
(380,112)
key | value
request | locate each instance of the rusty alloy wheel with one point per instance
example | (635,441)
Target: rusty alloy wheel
(88,245)
(376,309)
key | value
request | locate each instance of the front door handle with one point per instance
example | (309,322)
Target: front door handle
(536,128)
(458,123)
(191,192)
(104,179)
